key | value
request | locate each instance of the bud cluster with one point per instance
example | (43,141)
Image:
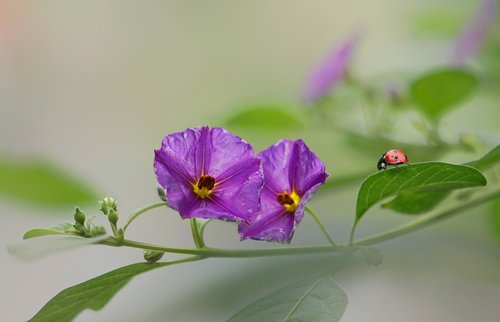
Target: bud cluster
(84,226)
(109,207)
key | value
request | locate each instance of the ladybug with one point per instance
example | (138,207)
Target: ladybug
(391,157)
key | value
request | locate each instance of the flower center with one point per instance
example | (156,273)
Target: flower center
(289,200)
(204,187)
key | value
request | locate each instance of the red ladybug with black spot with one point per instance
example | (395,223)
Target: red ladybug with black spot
(392,157)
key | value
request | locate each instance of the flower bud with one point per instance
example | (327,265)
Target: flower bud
(79,217)
(97,231)
(152,256)
(107,205)
(162,194)
(113,217)
(120,235)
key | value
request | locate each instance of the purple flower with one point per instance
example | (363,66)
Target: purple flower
(209,173)
(475,32)
(292,174)
(331,71)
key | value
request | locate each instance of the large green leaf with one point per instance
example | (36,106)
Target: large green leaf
(310,300)
(416,202)
(41,183)
(266,118)
(35,248)
(420,201)
(427,176)
(93,294)
(439,91)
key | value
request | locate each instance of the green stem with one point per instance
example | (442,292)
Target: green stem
(197,237)
(228,253)
(407,228)
(353,231)
(424,221)
(322,227)
(139,212)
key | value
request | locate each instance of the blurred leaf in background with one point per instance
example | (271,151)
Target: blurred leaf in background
(439,91)
(37,248)
(438,22)
(266,117)
(41,183)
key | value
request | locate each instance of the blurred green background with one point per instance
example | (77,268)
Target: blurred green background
(92,87)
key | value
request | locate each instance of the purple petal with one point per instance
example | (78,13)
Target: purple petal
(272,223)
(291,165)
(172,175)
(325,76)
(240,188)
(210,208)
(185,156)
(299,212)
(227,150)
(288,166)
(276,164)
(475,32)
(307,171)
(181,152)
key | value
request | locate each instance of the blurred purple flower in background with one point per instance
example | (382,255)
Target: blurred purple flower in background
(475,32)
(209,173)
(331,71)
(292,174)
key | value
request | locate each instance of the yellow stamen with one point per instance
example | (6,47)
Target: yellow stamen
(289,200)
(204,187)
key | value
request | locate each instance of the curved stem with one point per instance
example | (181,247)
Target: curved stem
(407,228)
(353,231)
(424,221)
(228,253)
(139,212)
(322,227)
(197,237)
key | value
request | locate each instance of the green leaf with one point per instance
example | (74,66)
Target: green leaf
(437,92)
(416,202)
(38,232)
(36,248)
(421,201)
(376,145)
(266,118)
(310,300)
(427,176)
(93,294)
(42,184)
(444,23)
(487,161)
